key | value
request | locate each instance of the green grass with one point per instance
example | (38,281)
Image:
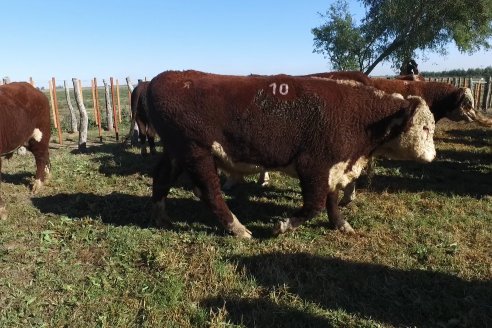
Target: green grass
(81,252)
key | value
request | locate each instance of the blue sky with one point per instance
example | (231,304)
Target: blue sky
(89,38)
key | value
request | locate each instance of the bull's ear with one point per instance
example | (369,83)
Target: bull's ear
(395,123)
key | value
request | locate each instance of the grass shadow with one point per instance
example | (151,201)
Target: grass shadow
(20,178)
(372,291)
(251,312)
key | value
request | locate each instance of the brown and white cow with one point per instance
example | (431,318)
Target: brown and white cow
(318,130)
(443,99)
(146,132)
(24,121)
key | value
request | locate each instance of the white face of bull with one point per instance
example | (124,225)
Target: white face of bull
(417,142)
(467,112)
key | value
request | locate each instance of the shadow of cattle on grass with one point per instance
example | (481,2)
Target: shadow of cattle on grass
(371,291)
(453,173)
(185,212)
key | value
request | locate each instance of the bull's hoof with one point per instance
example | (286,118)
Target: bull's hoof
(286,225)
(197,192)
(238,229)
(3,213)
(346,228)
(159,216)
(36,186)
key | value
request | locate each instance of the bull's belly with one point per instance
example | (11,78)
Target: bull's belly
(339,175)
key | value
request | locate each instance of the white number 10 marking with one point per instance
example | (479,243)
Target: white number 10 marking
(283,88)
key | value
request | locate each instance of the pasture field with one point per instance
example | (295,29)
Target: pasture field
(81,253)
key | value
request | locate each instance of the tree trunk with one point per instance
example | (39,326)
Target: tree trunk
(84,119)
(73,118)
(109,108)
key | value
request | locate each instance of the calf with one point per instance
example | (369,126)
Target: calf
(24,121)
(319,130)
(146,132)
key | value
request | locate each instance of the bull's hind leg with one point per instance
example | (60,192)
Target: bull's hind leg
(42,157)
(314,186)
(165,174)
(3,210)
(203,172)
(151,139)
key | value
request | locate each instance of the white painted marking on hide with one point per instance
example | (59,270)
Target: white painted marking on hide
(37,135)
(283,88)
(340,175)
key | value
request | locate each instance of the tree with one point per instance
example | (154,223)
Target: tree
(396,30)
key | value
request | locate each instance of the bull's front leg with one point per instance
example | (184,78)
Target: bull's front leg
(42,158)
(314,188)
(334,215)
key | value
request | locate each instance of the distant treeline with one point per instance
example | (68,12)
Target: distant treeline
(471,72)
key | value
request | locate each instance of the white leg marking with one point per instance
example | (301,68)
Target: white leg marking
(36,186)
(238,230)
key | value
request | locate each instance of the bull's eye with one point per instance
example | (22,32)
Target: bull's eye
(426,132)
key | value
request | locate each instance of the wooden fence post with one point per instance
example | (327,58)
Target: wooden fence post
(52,102)
(118,99)
(115,115)
(97,110)
(57,115)
(487,96)
(109,116)
(73,118)
(84,119)
(93,101)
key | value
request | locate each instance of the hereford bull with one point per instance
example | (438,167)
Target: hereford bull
(24,121)
(319,130)
(146,132)
(443,99)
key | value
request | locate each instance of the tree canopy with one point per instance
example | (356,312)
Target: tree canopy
(396,30)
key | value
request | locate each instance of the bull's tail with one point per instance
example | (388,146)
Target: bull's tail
(133,106)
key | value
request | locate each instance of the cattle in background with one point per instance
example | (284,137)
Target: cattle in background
(410,77)
(146,132)
(443,99)
(24,121)
(319,130)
